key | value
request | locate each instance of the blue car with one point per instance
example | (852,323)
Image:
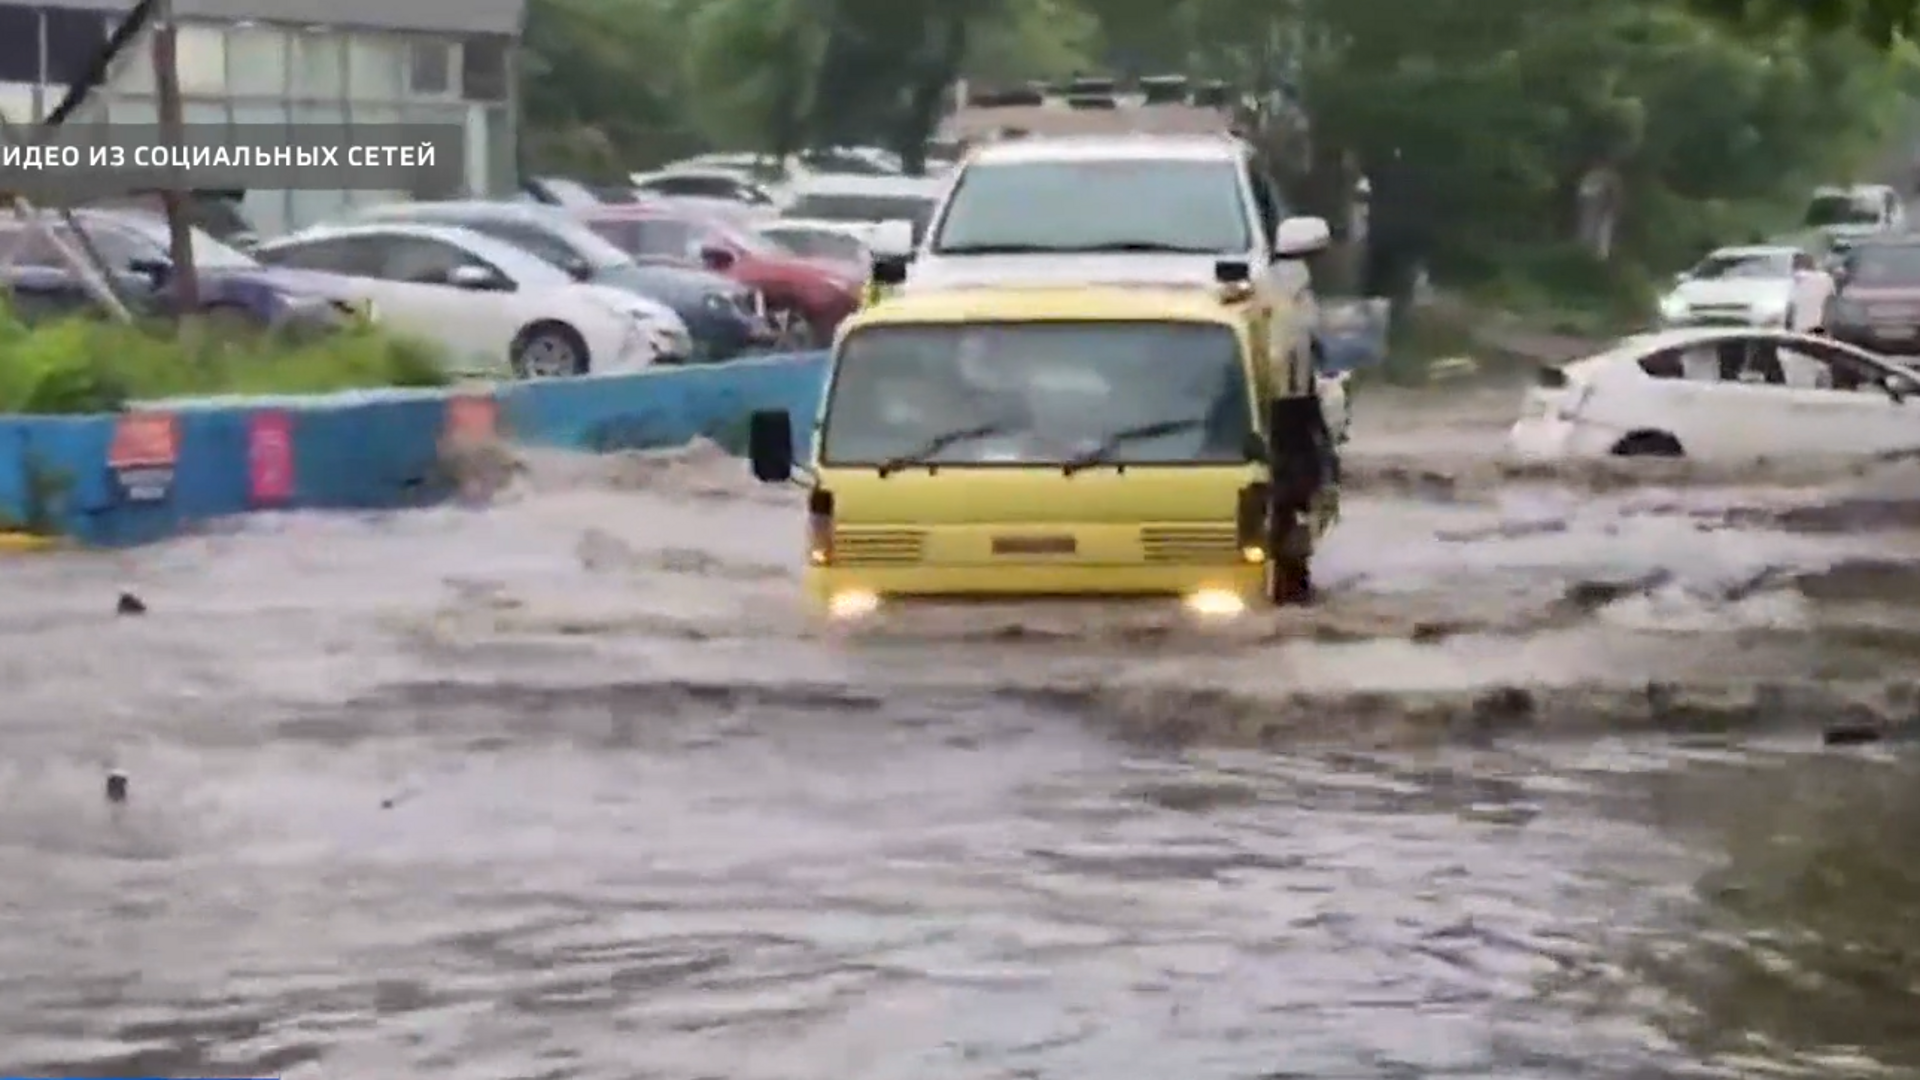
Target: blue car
(724,318)
(134,247)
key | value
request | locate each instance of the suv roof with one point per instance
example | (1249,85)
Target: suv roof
(1111,147)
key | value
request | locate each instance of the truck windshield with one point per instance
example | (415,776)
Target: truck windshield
(1038,393)
(1066,206)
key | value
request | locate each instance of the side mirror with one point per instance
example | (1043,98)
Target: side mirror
(891,239)
(770,446)
(716,258)
(1900,388)
(579,270)
(478,278)
(156,268)
(1299,237)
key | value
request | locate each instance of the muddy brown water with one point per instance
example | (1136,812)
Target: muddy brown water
(567,786)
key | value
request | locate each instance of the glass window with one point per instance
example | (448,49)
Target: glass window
(353,255)
(502,168)
(74,40)
(266,211)
(1041,393)
(376,67)
(422,262)
(1884,264)
(144,111)
(431,68)
(1096,205)
(1743,265)
(483,68)
(200,55)
(133,71)
(19,44)
(1841,208)
(17,101)
(319,66)
(257,62)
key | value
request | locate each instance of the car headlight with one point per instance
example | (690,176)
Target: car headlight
(1673,307)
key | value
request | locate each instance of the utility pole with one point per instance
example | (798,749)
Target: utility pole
(166,74)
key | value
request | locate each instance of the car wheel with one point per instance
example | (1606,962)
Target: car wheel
(791,330)
(549,350)
(1649,444)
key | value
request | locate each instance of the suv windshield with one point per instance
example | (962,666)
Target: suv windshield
(1038,393)
(1842,210)
(1736,265)
(1884,264)
(1097,205)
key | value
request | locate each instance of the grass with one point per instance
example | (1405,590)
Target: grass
(82,365)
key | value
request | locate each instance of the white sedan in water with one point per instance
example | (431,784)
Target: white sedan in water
(491,305)
(1720,394)
(1758,285)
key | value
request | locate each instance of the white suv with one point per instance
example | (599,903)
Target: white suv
(1146,209)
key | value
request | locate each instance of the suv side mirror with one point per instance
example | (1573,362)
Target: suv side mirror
(1299,237)
(770,446)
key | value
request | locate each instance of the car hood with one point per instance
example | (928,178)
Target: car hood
(949,271)
(1850,232)
(1746,291)
(787,266)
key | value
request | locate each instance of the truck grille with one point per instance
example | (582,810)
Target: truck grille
(1190,544)
(878,547)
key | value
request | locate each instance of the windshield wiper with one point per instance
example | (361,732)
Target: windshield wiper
(941,442)
(1117,439)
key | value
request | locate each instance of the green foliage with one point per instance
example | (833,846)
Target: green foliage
(1712,117)
(91,366)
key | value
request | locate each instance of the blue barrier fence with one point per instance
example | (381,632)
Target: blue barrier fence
(144,474)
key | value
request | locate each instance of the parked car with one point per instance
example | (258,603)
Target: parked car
(135,249)
(218,212)
(1851,213)
(724,317)
(493,306)
(708,183)
(806,298)
(1877,304)
(1726,394)
(1759,285)
(827,241)
(867,200)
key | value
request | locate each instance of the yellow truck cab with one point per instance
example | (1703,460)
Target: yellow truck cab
(1076,440)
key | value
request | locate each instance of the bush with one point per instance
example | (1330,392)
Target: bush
(86,365)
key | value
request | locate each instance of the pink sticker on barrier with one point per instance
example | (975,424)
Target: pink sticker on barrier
(270,458)
(472,418)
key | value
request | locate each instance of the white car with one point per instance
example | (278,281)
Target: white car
(1723,394)
(1847,214)
(1120,209)
(727,185)
(494,307)
(1760,285)
(841,242)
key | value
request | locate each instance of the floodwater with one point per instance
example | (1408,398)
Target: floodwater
(566,786)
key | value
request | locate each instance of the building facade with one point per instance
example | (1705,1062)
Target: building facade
(272,63)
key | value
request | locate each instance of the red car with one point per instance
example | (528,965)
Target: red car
(806,299)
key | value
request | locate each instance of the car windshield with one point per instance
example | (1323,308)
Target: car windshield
(1049,392)
(1884,264)
(1097,205)
(1743,265)
(208,253)
(1842,210)
(862,208)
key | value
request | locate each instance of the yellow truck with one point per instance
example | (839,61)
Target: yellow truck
(1064,441)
